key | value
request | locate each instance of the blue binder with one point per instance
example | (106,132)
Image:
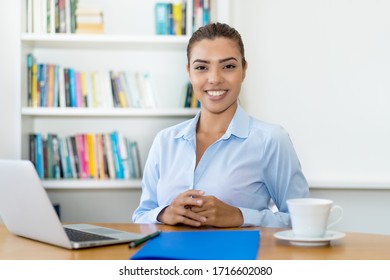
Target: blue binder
(201,245)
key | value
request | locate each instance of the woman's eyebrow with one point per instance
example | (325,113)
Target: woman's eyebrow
(227,59)
(220,61)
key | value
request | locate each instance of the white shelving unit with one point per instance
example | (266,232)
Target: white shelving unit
(129,43)
(111,51)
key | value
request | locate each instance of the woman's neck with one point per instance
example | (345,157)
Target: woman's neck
(216,124)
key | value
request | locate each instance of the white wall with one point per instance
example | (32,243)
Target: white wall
(321,69)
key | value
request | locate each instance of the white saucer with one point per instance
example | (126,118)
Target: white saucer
(309,241)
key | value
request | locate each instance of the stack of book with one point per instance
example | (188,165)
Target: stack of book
(51,16)
(85,156)
(201,13)
(52,85)
(170,18)
(89,20)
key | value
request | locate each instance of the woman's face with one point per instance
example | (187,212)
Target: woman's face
(216,73)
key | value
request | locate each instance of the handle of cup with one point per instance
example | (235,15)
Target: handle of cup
(335,215)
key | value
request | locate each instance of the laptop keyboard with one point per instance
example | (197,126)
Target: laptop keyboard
(82,236)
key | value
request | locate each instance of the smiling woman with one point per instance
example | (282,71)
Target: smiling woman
(223,167)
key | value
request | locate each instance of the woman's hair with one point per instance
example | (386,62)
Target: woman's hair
(213,31)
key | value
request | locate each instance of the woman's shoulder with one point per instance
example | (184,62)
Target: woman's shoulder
(267,130)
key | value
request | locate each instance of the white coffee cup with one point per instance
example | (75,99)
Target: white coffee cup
(311,217)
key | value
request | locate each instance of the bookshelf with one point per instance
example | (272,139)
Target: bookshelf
(128,43)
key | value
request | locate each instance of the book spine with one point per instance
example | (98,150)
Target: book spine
(42,84)
(49,156)
(72,88)
(133,89)
(39,155)
(72,160)
(50,85)
(32,149)
(63,158)
(34,85)
(92,160)
(109,154)
(29,14)
(114,89)
(56,157)
(116,156)
(79,93)
(61,87)
(56,87)
(66,87)
(76,157)
(29,79)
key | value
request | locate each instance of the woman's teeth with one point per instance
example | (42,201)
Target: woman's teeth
(216,92)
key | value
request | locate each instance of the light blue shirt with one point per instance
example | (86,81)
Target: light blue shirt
(252,163)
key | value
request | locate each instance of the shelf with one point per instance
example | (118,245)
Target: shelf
(90,184)
(104,41)
(108,112)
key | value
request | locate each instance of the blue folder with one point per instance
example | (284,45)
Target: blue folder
(201,245)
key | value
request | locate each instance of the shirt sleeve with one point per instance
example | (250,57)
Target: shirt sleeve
(284,179)
(148,209)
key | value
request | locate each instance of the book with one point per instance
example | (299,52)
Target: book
(42,84)
(56,86)
(62,85)
(29,15)
(34,85)
(134,150)
(92,150)
(201,245)
(72,88)
(146,91)
(118,165)
(109,155)
(132,89)
(30,60)
(39,155)
(162,18)
(89,19)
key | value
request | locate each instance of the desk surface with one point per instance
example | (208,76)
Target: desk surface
(354,246)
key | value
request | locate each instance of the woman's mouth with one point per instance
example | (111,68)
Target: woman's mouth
(216,92)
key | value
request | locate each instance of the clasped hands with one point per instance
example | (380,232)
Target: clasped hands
(195,209)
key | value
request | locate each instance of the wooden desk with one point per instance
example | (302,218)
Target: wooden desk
(354,246)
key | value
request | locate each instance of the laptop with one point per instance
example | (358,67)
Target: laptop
(27,211)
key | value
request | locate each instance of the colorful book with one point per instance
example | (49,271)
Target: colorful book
(133,89)
(92,158)
(39,155)
(109,154)
(42,84)
(162,13)
(116,156)
(34,85)
(72,88)
(30,60)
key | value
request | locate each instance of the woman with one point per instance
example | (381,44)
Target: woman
(223,167)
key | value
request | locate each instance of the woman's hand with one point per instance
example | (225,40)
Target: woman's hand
(218,213)
(194,209)
(179,212)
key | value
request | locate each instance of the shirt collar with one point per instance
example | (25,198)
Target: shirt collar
(239,126)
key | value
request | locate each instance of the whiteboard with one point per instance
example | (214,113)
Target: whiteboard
(321,69)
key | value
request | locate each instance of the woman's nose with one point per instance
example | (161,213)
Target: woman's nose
(215,76)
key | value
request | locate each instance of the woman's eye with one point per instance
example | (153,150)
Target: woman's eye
(200,67)
(230,66)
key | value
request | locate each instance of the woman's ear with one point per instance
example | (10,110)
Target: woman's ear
(244,71)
